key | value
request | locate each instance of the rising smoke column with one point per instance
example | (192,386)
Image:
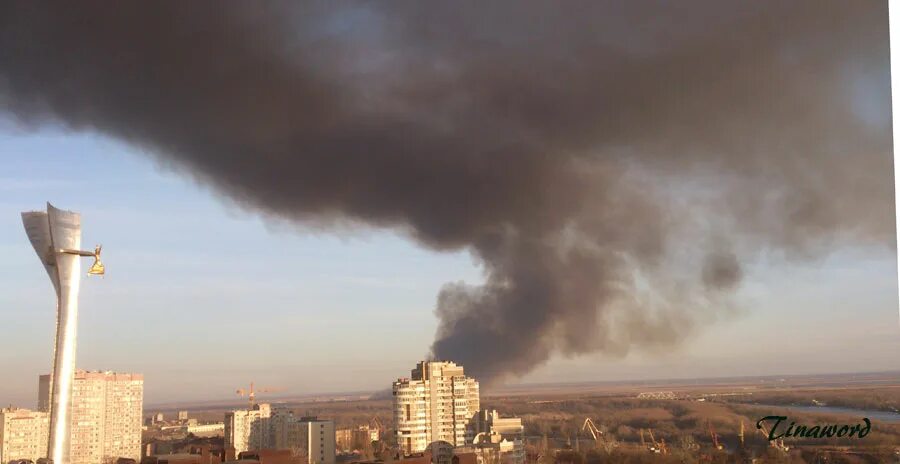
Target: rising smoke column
(609,164)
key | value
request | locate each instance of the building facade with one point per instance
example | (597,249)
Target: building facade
(24,434)
(500,438)
(264,428)
(106,415)
(249,429)
(217,428)
(356,438)
(308,437)
(432,409)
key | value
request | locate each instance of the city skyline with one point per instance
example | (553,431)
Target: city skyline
(350,190)
(508,232)
(104,423)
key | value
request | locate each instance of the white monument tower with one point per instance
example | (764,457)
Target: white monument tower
(56,237)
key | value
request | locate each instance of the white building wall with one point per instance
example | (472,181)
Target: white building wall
(265,428)
(434,406)
(249,429)
(320,442)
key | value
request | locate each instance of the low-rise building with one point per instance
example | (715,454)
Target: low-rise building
(500,438)
(179,458)
(355,438)
(217,428)
(307,436)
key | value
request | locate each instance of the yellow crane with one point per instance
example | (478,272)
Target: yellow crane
(601,440)
(777,444)
(544,450)
(590,427)
(251,393)
(658,446)
(375,424)
(713,435)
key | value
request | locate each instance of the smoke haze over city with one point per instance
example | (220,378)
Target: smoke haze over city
(611,166)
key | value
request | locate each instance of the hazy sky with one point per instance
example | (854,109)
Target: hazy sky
(203,297)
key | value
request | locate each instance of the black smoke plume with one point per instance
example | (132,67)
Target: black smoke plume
(611,164)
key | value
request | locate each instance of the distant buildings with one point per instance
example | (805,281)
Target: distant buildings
(202,451)
(106,415)
(438,420)
(24,434)
(659,395)
(433,407)
(177,458)
(503,439)
(249,429)
(205,429)
(263,428)
(307,436)
(356,438)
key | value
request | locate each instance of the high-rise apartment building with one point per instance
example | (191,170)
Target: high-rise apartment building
(433,407)
(249,429)
(24,434)
(263,428)
(106,415)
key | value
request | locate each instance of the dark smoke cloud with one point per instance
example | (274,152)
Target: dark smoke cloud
(591,155)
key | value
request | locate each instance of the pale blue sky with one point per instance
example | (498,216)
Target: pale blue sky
(202,297)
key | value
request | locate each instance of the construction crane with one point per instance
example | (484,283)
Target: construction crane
(589,426)
(251,393)
(713,436)
(777,444)
(376,424)
(601,440)
(544,450)
(658,446)
(655,446)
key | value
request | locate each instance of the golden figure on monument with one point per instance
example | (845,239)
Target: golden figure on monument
(97,268)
